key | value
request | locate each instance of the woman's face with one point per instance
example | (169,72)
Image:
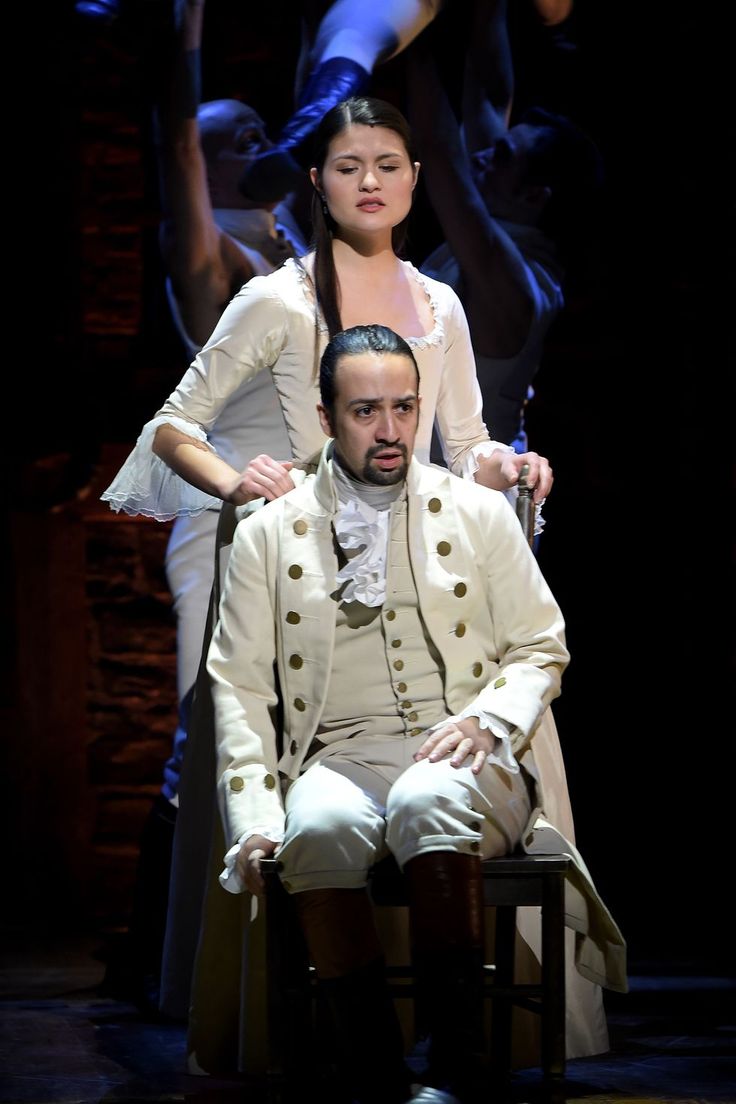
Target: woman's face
(367,180)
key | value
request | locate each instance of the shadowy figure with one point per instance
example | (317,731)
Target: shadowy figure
(213,241)
(342,43)
(511,200)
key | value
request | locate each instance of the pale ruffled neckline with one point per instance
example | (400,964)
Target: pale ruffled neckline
(423,341)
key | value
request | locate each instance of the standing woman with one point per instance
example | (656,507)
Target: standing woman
(364,178)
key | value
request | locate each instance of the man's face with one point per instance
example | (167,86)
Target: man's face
(501,172)
(374,420)
(233,136)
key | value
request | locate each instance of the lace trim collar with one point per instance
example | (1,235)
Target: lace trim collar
(434,337)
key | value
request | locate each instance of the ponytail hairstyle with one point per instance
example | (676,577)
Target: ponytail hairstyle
(365,111)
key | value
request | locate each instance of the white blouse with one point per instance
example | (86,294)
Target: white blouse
(270,325)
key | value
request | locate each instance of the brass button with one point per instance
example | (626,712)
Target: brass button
(237,784)
(477,669)
(434,505)
(295,572)
(413,717)
(398,665)
(300,527)
(444,548)
(475,826)
(460,629)
(475,846)
(395,643)
(293,618)
(401,687)
(390,615)
(406,705)
(415,732)
(499,683)
(299,704)
(293,747)
(296,662)
(269,782)
(460,590)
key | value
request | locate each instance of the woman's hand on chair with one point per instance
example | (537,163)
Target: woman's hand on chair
(500,471)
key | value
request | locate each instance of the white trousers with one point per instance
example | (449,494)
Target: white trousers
(366,796)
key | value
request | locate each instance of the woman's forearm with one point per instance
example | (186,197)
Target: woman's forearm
(194,462)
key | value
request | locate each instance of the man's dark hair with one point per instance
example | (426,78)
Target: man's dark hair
(353,342)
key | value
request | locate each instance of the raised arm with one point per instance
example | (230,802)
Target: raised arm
(497,294)
(204,264)
(488,86)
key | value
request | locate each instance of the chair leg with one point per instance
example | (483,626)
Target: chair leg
(291,1034)
(553,988)
(502,1011)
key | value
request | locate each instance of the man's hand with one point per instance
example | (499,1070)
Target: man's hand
(248,862)
(460,739)
(500,470)
(263,478)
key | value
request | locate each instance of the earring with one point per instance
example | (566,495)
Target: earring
(324,205)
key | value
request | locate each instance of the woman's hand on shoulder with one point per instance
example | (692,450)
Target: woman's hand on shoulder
(501,469)
(263,478)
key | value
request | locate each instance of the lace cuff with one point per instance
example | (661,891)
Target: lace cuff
(229,879)
(502,755)
(146,485)
(469,466)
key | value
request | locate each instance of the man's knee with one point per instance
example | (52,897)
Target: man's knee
(326,833)
(429,808)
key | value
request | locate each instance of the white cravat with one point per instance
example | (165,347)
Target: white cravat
(362,531)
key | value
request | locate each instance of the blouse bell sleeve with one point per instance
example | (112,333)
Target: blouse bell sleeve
(247,340)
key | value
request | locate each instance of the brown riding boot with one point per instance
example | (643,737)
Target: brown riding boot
(346,953)
(446,916)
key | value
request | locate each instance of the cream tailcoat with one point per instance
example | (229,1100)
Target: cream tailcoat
(487,608)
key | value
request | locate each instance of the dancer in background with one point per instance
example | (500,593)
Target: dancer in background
(343,42)
(213,241)
(510,200)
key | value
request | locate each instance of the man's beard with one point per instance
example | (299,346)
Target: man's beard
(384,478)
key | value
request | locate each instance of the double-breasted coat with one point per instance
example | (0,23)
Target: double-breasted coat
(486,606)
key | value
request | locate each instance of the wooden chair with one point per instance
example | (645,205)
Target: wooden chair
(509,882)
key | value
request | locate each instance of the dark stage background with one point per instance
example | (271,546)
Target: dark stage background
(630,407)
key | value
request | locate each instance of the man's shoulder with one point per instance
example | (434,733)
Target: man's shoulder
(267,516)
(430,478)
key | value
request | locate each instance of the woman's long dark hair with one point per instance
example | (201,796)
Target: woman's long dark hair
(365,111)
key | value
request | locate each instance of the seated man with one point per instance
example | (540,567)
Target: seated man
(396,615)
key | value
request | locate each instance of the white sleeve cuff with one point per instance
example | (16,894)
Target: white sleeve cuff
(229,879)
(469,463)
(502,755)
(470,466)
